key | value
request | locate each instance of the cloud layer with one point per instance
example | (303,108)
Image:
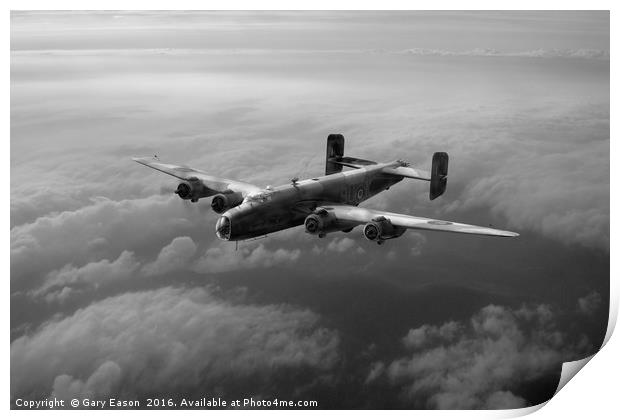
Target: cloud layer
(168,339)
(69,280)
(97,240)
(480,364)
(223,258)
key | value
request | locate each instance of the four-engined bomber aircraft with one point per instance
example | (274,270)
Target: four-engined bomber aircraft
(324,204)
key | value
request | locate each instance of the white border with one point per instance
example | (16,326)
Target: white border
(592,395)
(309,5)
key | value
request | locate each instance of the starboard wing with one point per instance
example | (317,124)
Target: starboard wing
(361,215)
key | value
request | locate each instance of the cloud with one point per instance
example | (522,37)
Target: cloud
(225,258)
(418,240)
(341,245)
(106,226)
(548,208)
(61,284)
(528,140)
(344,245)
(480,364)
(52,189)
(589,304)
(522,174)
(173,256)
(100,384)
(504,400)
(168,339)
(584,53)
(539,140)
(419,337)
(377,369)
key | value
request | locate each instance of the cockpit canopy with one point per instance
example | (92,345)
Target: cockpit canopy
(258,197)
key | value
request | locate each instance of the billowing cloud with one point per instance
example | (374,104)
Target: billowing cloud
(536,192)
(173,256)
(344,245)
(106,227)
(341,245)
(100,384)
(69,280)
(225,258)
(419,337)
(479,364)
(590,303)
(504,400)
(158,341)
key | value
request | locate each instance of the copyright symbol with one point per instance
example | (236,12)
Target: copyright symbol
(75,402)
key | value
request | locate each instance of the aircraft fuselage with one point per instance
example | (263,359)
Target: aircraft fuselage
(286,206)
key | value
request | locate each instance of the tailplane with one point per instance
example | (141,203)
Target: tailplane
(335,158)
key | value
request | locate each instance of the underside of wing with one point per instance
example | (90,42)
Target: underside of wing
(395,224)
(211,185)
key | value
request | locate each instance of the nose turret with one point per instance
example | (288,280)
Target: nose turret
(222,228)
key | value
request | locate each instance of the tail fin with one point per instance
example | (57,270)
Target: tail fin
(439,175)
(335,149)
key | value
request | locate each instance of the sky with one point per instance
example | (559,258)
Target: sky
(120,289)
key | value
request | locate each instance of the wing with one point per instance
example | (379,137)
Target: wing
(215,184)
(361,215)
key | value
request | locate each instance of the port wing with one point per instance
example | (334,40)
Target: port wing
(361,215)
(212,183)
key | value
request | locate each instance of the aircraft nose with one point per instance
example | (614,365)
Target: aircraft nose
(222,228)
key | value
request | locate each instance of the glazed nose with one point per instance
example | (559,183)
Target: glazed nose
(222,228)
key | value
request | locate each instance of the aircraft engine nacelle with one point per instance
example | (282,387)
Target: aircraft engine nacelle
(322,222)
(381,229)
(222,202)
(192,189)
